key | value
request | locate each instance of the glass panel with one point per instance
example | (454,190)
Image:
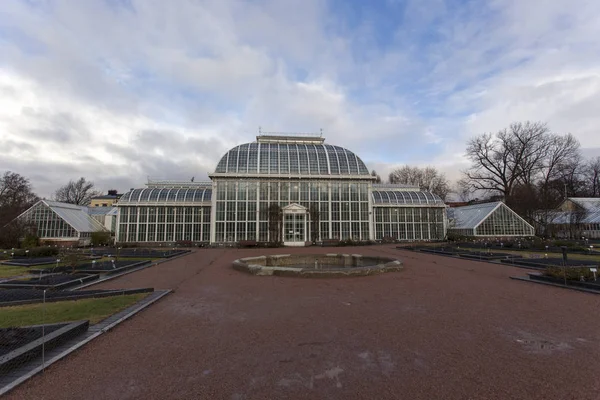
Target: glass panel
(243,159)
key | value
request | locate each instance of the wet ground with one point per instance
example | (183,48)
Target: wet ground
(442,328)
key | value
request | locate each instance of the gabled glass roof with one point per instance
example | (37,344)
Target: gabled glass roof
(403,197)
(291,159)
(169,195)
(468,217)
(76,216)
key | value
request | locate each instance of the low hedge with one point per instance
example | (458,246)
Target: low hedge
(572,274)
(43,251)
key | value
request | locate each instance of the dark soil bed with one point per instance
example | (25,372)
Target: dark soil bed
(141,252)
(449,251)
(110,267)
(53,282)
(13,338)
(484,255)
(23,344)
(97,267)
(151,253)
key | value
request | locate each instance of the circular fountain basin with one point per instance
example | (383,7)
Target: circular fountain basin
(317,265)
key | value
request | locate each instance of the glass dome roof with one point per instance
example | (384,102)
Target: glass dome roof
(291,159)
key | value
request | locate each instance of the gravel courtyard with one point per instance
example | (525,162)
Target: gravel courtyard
(442,328)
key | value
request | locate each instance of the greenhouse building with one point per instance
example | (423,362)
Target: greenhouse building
(65,224)
(487,220)
(293,190)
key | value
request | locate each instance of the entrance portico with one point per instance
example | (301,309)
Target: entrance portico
(294,225)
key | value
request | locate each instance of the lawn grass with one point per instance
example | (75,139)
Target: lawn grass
(94,310)
(7,271)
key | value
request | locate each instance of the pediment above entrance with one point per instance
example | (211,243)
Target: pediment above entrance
(294,208)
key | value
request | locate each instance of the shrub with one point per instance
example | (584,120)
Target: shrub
(101,238)
(455,237)
(573,274)
(126,245)
(30,241)
(270,244)
(565,243)
(44,251)
(37,252)
(72,259)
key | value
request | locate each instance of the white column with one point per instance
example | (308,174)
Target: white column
(329,201)
(371,212)
(213,212)
(305,225)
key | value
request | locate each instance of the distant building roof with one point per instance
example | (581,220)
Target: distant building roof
(99,210)
(457,203)
(590,204)
(591,215)
(107,197)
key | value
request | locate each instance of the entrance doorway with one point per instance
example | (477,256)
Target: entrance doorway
(294,225)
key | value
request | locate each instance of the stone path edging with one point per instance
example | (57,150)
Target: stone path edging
(580,289)
(33,367)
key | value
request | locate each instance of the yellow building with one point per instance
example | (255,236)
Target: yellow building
(107,200)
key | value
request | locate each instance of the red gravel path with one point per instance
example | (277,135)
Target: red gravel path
(442,328)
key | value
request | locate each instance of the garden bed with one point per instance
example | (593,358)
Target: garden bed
(447,251)
(137,252)
(526,246)
(19,345)
(549,262)
(98,267)
(30,261)
(488,256)
(109,267)
(558,281)
(51,282)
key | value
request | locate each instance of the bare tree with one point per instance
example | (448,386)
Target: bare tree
(76,192)
(16,196)
(591,174)
(528,143)
(462,189)
(561,154)
(377,177)
(406,175)
(513,155)
(427,178)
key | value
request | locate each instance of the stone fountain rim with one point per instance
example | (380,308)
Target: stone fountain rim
(246,265)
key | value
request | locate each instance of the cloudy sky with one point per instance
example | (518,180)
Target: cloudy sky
(119,90)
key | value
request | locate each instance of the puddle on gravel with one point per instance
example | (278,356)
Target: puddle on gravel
(537,344)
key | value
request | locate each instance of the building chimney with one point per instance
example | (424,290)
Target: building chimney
(112,192)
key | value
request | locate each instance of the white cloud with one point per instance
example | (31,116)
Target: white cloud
(88,89)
